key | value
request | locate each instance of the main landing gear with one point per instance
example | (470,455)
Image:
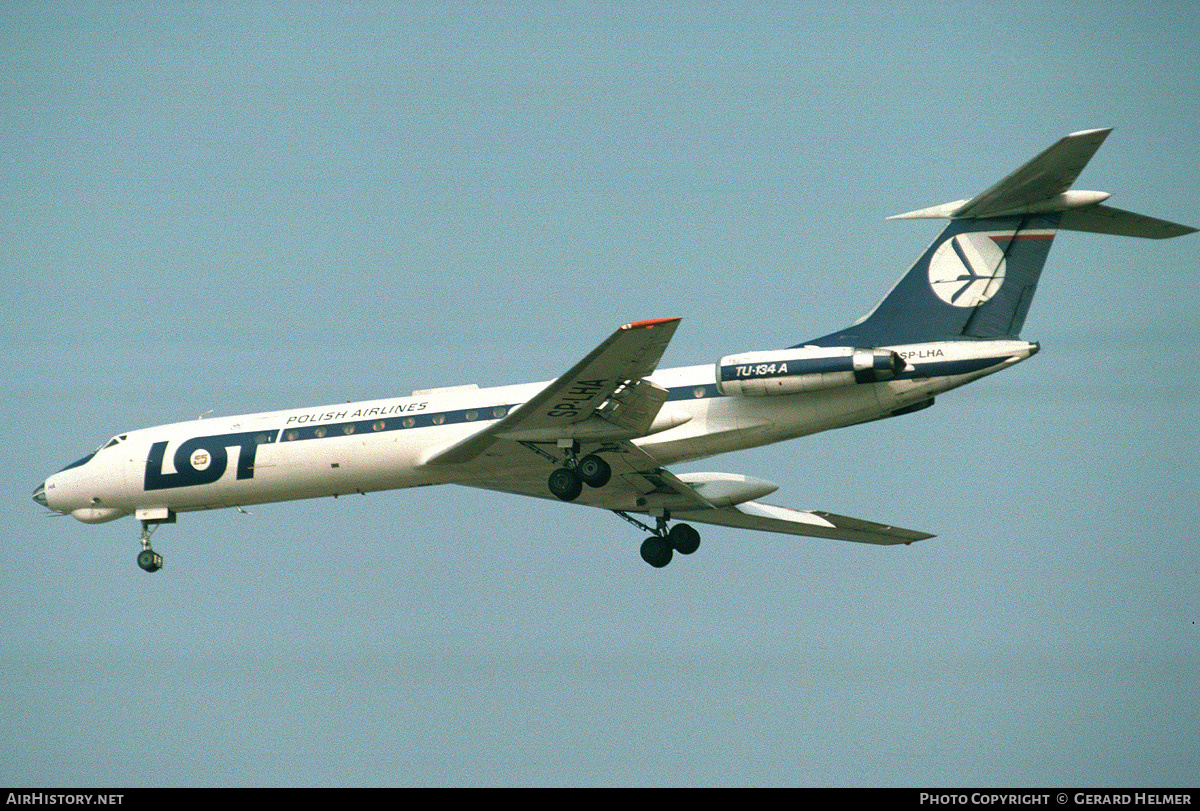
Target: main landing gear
(567,481)
(659,548)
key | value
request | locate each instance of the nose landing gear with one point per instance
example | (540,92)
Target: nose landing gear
(148,559)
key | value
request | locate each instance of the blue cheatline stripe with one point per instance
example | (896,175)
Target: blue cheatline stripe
(696,392)
(949,368)
(331,430)
(378,425)
(700,391)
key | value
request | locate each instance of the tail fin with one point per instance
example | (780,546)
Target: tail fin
(977,279)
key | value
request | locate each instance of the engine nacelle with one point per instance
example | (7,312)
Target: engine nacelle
(809,368)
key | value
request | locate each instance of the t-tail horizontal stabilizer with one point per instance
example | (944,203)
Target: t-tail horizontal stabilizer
(1043,186)
(977,279)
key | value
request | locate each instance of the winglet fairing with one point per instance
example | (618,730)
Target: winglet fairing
(604,433)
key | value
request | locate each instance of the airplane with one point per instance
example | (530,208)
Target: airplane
(603,433)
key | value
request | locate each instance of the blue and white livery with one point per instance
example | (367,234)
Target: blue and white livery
(605,432)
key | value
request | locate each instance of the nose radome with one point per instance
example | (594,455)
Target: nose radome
(39,495)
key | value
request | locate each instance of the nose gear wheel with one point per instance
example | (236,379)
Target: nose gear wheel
(148,559)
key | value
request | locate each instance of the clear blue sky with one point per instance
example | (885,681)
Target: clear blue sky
(244,207)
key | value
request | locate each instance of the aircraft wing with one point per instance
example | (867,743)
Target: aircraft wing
(814,523)
(603,397)
(605,402)
(640,485)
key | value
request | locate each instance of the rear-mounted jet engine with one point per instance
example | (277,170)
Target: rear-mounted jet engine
(809,368)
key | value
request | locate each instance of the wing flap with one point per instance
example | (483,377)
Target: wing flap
(634,406)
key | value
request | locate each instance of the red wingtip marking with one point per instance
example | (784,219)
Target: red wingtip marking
(650,323)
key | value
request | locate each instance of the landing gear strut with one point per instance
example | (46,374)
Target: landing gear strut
(148,559)
(659,548)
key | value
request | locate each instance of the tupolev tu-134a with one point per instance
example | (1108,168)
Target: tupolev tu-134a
(605,431)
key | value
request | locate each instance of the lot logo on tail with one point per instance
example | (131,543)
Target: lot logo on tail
(967,270)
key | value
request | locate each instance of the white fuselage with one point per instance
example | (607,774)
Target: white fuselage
(384,444)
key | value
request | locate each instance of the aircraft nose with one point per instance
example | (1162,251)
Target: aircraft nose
(39,495)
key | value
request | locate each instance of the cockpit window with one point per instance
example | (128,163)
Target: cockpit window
(115,440)
(82,461)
